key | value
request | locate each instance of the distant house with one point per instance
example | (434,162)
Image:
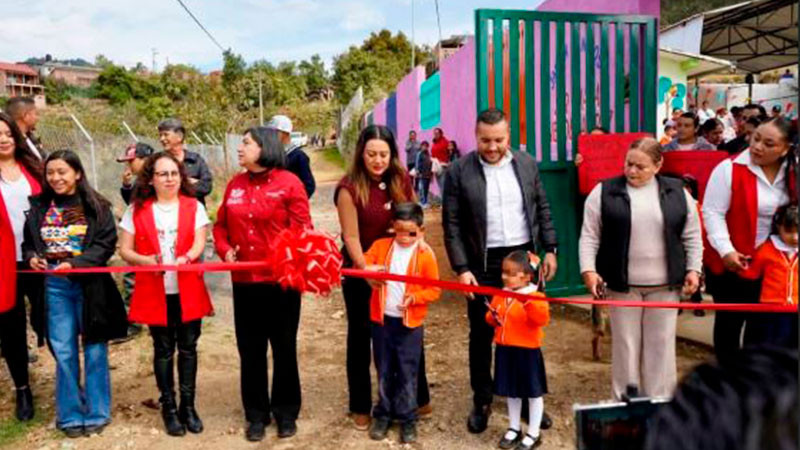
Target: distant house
(78,76)
(18,80)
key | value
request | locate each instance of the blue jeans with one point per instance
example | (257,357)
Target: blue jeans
(423,186)
(397,350)
(76,406)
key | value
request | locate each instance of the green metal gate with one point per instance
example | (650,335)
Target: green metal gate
(590,61)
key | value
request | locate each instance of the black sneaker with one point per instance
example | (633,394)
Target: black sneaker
(506,443)
(479,419)
(255,431)
(408,432)
(94,429)
(287,428)
(379,428)
(73,432)
(25,409)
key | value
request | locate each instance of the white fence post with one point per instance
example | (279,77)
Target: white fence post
(91,148)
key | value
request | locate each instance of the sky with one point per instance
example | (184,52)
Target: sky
(126,31)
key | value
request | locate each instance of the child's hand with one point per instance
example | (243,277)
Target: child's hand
(407,300)
(376,284)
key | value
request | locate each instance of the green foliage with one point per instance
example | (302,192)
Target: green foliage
(316,77)
(58,91)
(377,65)
(233,70)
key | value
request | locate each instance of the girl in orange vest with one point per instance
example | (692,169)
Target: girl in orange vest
(519,365)
(166,224)
(775,263)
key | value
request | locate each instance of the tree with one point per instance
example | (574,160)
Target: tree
(316,77)
(234,68)
(102,62)
(377,65)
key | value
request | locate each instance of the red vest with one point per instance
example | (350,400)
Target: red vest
(8,248)
(149,300)
(742,218)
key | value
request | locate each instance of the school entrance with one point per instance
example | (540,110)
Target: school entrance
(557,75)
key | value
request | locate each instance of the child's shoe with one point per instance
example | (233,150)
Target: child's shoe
(408,432)
(511,439)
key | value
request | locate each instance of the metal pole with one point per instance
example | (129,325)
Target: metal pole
(260,102)
(91,147)
(439,24)
(130,131)
(413,42)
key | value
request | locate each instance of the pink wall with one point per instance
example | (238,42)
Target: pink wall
(459,101)
(408,107)
(379,113)
(648,7)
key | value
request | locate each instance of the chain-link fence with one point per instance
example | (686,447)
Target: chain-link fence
(107,147)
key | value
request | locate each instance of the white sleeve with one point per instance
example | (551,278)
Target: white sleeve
(692,236)
(716,203)
(201,217)
(591,232)
(127,220)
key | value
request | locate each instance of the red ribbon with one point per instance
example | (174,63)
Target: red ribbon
(448,285)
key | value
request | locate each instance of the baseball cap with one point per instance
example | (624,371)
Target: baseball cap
(280,123)
(138,150)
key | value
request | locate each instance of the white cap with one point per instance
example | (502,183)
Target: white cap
(280,123)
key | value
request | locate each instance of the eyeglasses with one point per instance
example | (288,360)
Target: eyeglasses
(166,174)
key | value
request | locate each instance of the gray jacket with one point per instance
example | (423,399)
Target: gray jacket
(464,210)
(701,144)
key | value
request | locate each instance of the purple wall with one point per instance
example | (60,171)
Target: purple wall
(648,7)
(408,107)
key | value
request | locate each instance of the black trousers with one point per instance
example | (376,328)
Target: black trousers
(265,314)
(13,336)
(184,336)
(730,288)
(481,334)
(356,299)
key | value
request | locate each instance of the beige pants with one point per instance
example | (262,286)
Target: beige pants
(643,343)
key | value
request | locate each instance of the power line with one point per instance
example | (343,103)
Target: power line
(439,24)
(200,25)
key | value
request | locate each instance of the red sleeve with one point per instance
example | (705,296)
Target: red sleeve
(297,204)
(220,230)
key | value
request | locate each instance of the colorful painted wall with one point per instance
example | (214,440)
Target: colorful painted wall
(457,103)
(672,90)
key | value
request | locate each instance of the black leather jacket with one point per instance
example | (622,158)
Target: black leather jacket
(464,210)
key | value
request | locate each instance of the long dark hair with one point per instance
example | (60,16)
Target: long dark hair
(395,176)
(22,154)
(144,190)
(93,202)
(785,129)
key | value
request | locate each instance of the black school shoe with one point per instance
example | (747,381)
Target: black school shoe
(255,431)
(379,428)
(479,418)
(408,432)
(73,432)
(537,441)
(287,428)
(94,429)
(546,423)
(506,444)
(25,409)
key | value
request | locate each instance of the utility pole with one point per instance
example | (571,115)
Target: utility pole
(413,43)
(260,101)
(155,53)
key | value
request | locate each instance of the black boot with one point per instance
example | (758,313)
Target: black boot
(169,412)
(187,375)
(25,408)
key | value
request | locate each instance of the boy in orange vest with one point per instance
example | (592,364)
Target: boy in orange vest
(775,263)
(397,311)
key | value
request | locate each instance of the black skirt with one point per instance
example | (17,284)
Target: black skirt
(519,372)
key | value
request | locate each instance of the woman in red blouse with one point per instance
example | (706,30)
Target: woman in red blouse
(376,180)
(258,204)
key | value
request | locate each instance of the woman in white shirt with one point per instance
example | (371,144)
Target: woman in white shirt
(741,198)
(166,224)
(641,237)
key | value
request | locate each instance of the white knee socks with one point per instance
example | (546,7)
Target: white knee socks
(514,415)
(535,411)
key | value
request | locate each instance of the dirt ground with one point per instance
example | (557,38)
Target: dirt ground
(572,375)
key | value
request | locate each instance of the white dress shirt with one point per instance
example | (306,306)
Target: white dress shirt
(717,202)
(506,225)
